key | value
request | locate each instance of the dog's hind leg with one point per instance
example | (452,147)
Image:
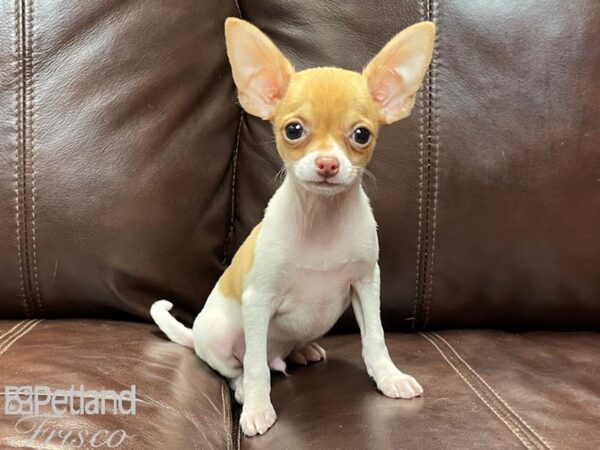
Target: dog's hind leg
(219,336)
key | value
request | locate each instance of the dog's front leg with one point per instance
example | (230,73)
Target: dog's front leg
(366,304)
(258,414)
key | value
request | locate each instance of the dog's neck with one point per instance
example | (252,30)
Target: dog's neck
(313,210)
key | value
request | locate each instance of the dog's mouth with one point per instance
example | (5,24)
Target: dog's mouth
(324,183)
(326,187)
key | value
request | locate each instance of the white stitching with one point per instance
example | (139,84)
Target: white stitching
(6,333)
(420,205)
(423,277)
(510,426)
(239,10)
(434,145)
(19,335)
(239,438)
(493,391)
(225,417)
(18,127)
(31,112)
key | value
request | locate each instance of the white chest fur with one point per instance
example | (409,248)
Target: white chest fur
(310,251)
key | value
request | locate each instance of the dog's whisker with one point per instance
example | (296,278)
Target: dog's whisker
(280,175)
(367,172)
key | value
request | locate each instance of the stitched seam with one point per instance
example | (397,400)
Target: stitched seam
(230,231)
(434,146)
(500,399)
(427,170)
(18,153)
(420,202)
(31,111)
(497,400)
(239,10)
(6,333)
(25,116)
(235,410)
(494,399)
(25,145)
(425,193)
(234,158)
(238,429)
(226,423)
(505,421)
(19,335)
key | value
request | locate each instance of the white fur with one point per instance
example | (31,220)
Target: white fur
(304,171)
(314,255)
(174,330)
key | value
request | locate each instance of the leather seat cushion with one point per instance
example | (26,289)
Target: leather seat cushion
(487,389)
(181,403)
(483,389)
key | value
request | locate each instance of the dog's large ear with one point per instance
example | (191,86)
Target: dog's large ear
(395,74)
(260,71)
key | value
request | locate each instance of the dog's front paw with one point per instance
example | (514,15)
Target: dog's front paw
(257,420)
(399,385)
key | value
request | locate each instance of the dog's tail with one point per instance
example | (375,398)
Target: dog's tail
(175,330)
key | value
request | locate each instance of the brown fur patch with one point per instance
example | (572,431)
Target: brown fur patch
(231,283)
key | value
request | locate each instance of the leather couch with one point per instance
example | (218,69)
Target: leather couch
(129,173)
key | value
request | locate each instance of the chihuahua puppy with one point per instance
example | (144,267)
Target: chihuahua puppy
(316,249)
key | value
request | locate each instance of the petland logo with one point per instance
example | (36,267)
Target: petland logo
(41,409)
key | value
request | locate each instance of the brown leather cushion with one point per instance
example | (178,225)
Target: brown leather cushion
(124,180)
(483,389)
(124,157)
(182,403)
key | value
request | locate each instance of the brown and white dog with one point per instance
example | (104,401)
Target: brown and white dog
(316,249)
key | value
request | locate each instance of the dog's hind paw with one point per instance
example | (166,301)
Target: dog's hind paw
(312,352)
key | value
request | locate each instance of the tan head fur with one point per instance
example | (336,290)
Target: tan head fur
(326,120)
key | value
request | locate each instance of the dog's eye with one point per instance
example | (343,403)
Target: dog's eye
(361,136)
(294,131)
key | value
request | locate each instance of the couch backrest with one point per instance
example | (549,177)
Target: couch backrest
(129,173)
